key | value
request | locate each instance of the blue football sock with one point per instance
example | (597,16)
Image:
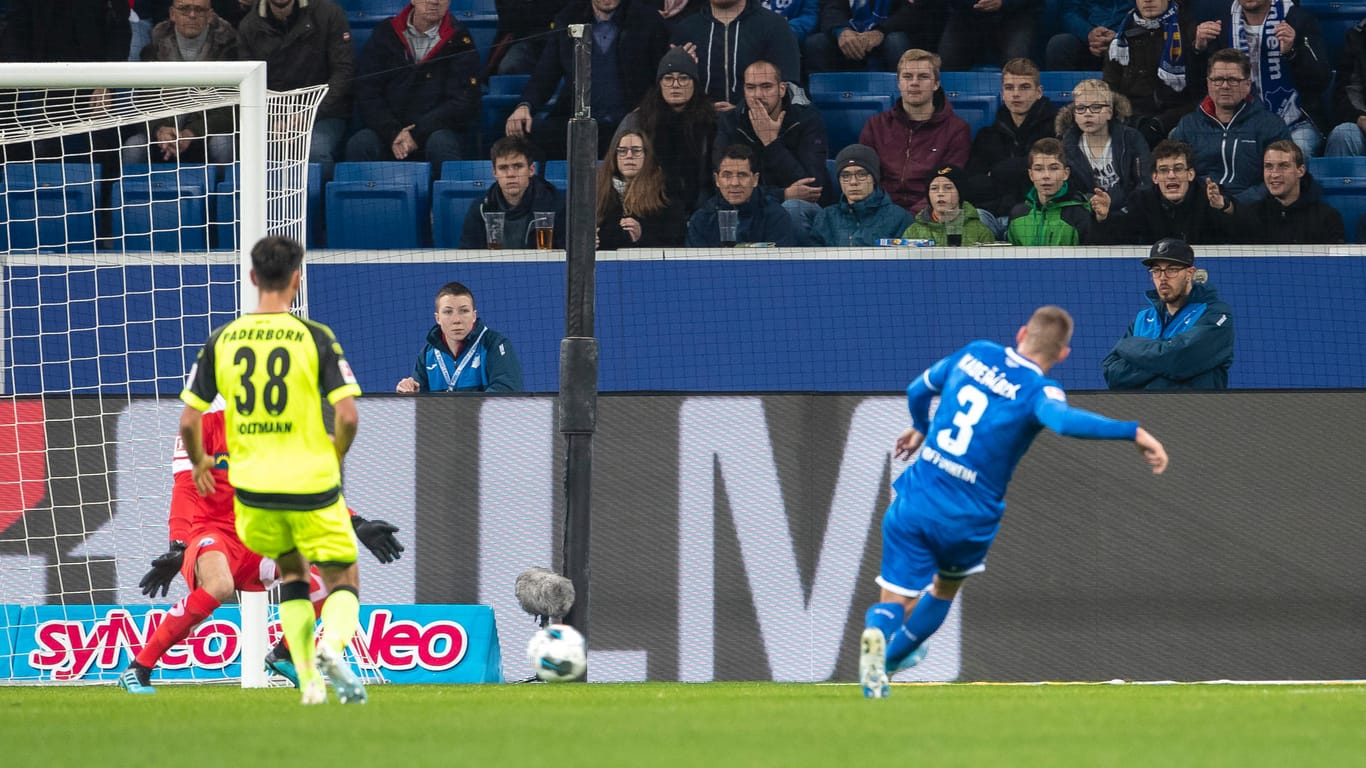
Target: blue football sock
(886,617)
(928,615)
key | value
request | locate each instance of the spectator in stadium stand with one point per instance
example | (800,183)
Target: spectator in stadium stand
(919,134)
(149,13)
(864,213)
(462,354)
(1088,28)
(1052,213)
(726,36)
(1293,210)
(803,16)
(1184,340)
(517,192)
(1176,205)
(997,176)
(787,138)
(1288,58)
(634,209)
(679,120)
(1348,138)
(1103,153)
(524,26)
(859,35)
(1149,62)
(192,33)
(949,220)
(417,88)
(306,42)
(72,31)
(760,218)
(977,31)
(1230,130)
(628,38)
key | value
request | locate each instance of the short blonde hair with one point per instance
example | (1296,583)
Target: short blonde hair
(1049,331)
(920,54)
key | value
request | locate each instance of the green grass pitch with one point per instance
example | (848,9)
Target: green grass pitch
(713,725)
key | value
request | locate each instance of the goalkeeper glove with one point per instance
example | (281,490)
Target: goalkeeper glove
(163,571)
(378,537)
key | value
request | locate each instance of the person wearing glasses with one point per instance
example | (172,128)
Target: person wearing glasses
(1106,156)
(680,122)
(864,213)
(1230,130)
(1290,61)
(1184,339)
(192,33)
(634,209)
(1176,205)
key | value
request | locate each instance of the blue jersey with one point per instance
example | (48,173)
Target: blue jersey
(993,402)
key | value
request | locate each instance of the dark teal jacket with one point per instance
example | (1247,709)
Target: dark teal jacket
(862,223)
(1190,350)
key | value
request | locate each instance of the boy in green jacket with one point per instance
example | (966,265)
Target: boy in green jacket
(1052,214)
(948,220)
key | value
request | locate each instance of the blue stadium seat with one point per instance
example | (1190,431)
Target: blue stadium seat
(973,82)
(466,170)
(483,28)
(380,8)
(48,207)
(451,198)
(1335,18)
(556,172)
(1058,84)
(505,91)
(979,110)
(225,211)
(1338,168)
(360,34)
(161,208)
(1348,196)
(379,205)
(844,118)
(833,86)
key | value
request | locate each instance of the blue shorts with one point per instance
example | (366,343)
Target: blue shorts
(918,543)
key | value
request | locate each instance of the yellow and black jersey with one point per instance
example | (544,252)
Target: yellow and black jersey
(273,369)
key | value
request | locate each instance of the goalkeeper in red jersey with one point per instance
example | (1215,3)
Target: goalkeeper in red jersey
(206,551)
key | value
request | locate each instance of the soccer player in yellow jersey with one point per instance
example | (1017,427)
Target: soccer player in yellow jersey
(274,369)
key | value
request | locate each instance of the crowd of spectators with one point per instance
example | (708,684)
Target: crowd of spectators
(689,80)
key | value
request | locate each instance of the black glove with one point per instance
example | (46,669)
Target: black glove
(378,537)
(164,570)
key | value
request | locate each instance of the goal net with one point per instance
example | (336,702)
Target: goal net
(130,197)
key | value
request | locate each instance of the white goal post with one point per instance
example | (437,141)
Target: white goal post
(113,273)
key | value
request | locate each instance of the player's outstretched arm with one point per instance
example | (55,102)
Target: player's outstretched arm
(1152,450)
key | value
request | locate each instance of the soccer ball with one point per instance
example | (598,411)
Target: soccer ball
(558,653)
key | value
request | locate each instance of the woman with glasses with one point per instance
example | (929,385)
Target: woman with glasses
(680,122)
(634,210)
(1105,155)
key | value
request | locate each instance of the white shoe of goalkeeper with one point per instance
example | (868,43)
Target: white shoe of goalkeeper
(334,666)
(872,664)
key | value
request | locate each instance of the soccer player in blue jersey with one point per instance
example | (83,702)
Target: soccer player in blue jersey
(948,505)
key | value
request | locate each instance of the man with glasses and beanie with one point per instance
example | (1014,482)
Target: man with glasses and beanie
(864,213)
(1184,340)
(1230,131)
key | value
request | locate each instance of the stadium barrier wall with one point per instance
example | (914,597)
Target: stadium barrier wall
(403,643)
(736,536)
(744,320)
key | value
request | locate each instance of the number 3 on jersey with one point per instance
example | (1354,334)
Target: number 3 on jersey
(275,395)
(955,441)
